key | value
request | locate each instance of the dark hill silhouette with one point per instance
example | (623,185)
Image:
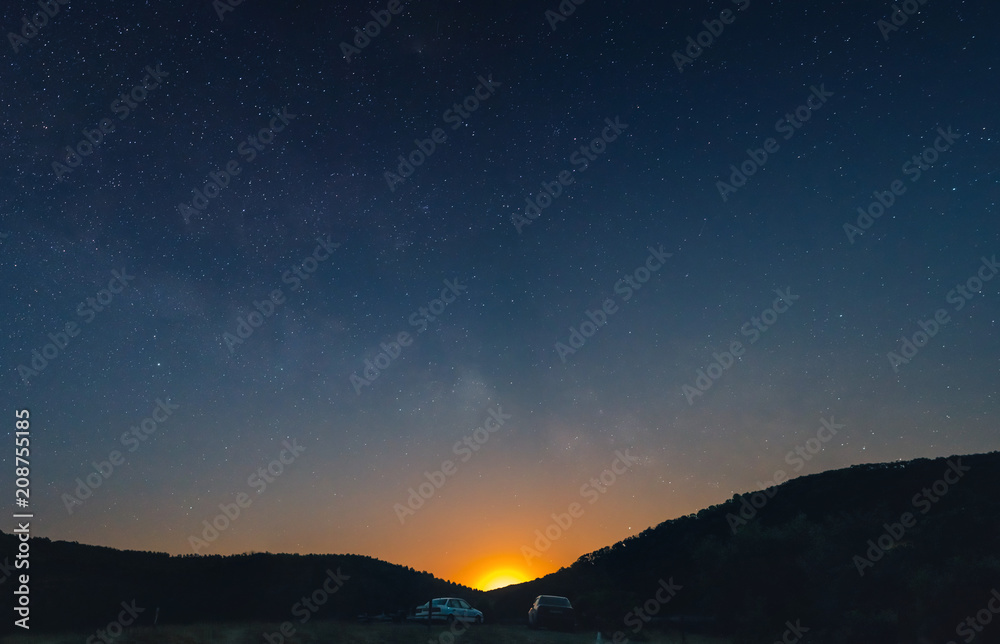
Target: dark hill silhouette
(80,586)
(793,560)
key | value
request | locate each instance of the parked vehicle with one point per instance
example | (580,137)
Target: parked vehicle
(449,610)
(552,611)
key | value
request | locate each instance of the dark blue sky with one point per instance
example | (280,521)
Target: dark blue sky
(848,106)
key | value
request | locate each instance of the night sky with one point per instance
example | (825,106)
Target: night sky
(267,239)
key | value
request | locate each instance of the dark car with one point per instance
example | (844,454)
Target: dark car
(553,612)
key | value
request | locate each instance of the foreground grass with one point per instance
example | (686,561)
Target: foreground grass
(347,633)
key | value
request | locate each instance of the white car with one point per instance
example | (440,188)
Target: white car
(450,610)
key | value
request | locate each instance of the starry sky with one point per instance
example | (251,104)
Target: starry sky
(298,236)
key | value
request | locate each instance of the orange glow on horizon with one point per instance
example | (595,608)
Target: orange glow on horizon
(494,571)
(501,578)
(450,536)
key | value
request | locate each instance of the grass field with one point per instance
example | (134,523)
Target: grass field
(347,633)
